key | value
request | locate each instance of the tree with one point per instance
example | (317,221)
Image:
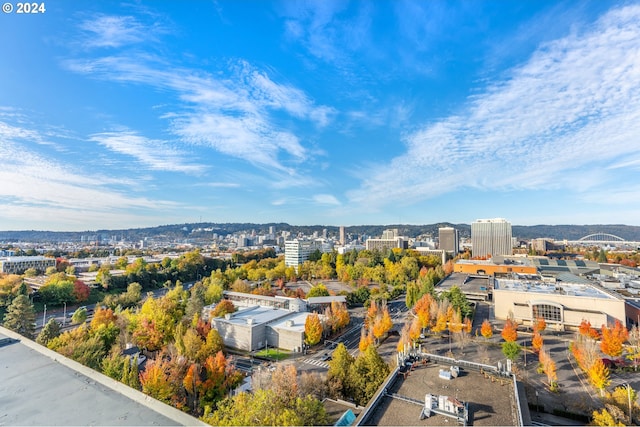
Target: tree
(613,338)
(49,332)
(539,324)
(79,316)
(338,373)
(413,292)
(549,367)
(258,409)
(81,291)
(155,381)
(312,329)
(604,418)
(509,332)
(423,310)
(486,329)
(511,350)
(366,374)
(586,330)
(20,317)
(598,375)
(537,341)
(223,307)
(318,290)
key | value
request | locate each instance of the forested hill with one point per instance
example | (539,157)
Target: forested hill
(181,232)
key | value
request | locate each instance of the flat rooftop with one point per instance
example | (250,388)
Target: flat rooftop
(258,315)
(41,387)
(570,289)
(490,403)
(292,322)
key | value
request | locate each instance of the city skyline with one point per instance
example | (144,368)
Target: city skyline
(136,115)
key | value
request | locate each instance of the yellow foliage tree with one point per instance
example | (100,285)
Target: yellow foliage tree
(598,375)
(366,339)
(312,329)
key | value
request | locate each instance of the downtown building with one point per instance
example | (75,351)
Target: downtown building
(449,240)
(491,237)
(297,251)
(390,239)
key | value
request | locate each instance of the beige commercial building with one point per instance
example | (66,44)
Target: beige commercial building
(19,264)
(562,305)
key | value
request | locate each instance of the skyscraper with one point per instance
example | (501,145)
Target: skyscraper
(449,239)
(491,237)
(342,236)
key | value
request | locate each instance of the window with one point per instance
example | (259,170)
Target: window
(548,312)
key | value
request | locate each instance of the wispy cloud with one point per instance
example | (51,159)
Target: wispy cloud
(573,106)
(154,154)
(326,199)
(234,112)
(39,187)
(106,31)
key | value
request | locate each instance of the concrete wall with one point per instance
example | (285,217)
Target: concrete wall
(233,335)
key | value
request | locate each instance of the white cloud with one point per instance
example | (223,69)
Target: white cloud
(43,188)
(155,154)
(572,107)
(326,199)
(116,31)
(231,115)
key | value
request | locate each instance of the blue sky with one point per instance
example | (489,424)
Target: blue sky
(132,114)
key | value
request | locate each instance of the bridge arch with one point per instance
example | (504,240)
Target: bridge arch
(601,237)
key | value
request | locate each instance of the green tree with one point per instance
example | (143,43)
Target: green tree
(49,332)
(413,294)
(338,374)
(511,350)
(366,374)
(318,290)
(79,316)
(602,256)
(21,317)
(259,409)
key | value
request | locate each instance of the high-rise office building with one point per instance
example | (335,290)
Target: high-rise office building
(491,237)
(449,239)
(342,236)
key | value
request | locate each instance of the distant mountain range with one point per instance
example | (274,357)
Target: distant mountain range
(198,231)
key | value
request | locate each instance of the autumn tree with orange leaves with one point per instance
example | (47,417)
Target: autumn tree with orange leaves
(586,330)
(539,325)
(613,338)
(549,368)
(155,381)
(486,330)
(537,342)
(423,310)
(366,339)
(509,332)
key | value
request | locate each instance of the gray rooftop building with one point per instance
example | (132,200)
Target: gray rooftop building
(41,387)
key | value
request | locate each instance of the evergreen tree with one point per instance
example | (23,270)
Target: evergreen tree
(21,317)
(49,332)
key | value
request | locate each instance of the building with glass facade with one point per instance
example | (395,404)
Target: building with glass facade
(491,237)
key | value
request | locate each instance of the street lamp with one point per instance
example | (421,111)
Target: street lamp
(628,386)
